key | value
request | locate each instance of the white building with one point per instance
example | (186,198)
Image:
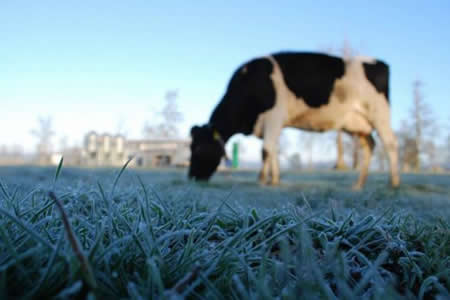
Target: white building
(108,150)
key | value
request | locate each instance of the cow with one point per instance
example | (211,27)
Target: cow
(306,90)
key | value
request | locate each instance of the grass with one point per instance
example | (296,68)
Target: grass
(129,234)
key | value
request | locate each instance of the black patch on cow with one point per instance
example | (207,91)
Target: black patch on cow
(250,92)
(310,76)
(378,74)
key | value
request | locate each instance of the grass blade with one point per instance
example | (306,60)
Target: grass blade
(87,269)
(116,180)
(58,169)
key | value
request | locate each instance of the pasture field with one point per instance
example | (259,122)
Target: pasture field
(133,234)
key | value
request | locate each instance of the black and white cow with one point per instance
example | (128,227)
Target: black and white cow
(310,91)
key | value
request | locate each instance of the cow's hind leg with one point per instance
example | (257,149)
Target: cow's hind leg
(382,125)
(391,147)
(367,143)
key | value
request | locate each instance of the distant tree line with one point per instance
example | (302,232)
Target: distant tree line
(163,126)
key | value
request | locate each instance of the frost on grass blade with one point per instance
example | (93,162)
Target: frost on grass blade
(146,240)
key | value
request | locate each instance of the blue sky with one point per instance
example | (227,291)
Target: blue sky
(91,65)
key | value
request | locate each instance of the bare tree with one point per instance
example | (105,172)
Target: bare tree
(170,115)
(44,133)
(417,111)
(417,135)
(407,147)
(346,50)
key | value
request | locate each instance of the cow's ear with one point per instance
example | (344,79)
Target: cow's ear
(194,131)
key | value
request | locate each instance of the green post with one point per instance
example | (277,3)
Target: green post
(235,163)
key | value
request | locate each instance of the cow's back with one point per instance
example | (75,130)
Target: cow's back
(310,76)
(319,92)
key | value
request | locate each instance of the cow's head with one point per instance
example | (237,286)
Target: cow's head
(207,149)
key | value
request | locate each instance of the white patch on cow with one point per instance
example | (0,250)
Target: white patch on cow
(354,106)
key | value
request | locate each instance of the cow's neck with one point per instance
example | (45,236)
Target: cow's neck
(231,117)
(223,120)
(224,131)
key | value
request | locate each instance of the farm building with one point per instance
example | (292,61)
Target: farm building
(115,150)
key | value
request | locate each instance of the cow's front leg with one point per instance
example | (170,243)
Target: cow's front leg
(275,168)
(272,133)
(263,175)
(270,168)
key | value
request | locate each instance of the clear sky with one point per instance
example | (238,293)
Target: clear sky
(91,65)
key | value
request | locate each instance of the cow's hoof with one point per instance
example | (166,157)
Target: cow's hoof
(395,182)
(357,187)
